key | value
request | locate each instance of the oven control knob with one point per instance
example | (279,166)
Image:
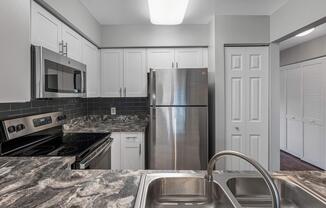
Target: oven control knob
(20,127)
(11,129)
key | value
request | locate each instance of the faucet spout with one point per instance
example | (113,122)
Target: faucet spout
(264,173)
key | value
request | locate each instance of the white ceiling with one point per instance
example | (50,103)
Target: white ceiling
(114,12)
(318,32)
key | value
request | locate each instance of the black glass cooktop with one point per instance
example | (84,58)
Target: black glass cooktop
(64,145)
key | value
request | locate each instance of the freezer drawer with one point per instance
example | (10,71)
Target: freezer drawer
(178,138)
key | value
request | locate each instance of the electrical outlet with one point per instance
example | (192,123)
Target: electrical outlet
(113,111)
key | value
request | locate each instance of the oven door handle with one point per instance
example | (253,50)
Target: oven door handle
(102,149)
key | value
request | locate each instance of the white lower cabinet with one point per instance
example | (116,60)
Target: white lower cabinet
(127,151)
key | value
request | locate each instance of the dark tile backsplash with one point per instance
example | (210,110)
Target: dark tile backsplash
(74,107)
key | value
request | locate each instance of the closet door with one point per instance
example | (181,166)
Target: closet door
(247,104)
(313,111)
(294,111)
(283,142)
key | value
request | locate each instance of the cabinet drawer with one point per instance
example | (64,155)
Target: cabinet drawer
(131,139)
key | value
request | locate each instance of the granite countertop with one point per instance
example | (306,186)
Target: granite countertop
(46,182)
(107,123)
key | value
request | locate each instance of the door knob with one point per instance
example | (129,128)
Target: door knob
(237,128)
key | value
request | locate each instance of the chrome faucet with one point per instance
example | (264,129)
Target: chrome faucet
(264,173)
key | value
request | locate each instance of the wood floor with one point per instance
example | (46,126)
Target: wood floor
(291,163)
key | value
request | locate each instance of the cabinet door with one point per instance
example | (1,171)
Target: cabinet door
(46,29)
(313,151)
(91,57)
(132,151)
(189,57)
(111,72)
(73,43)
(135,74)
(116,151)
(160,58)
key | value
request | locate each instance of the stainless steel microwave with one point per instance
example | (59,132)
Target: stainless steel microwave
(55,75)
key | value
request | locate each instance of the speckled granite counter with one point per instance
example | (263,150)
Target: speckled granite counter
(45,182)
(107,123)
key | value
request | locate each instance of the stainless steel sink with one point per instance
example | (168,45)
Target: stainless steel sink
(233,189)
(252,192)
(181,190)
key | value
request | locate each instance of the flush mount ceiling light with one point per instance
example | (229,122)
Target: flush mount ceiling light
(305,32)
(167,12)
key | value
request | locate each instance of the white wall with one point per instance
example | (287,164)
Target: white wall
(308,50)
(232,30)
(75,12)
(15,51)
(152,35)
(294,15)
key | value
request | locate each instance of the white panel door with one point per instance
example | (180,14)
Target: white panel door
(111,72)
(135,73)
(294,92)
(295,137)
(283,143)
(313,111)
(116,151)
(189,57)
(73,43)
(91,57)
(46,29)
(247,103)
(131,151)
(160,58)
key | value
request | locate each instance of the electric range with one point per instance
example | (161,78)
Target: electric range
(42,135)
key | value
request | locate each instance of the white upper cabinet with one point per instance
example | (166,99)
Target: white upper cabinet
(123,73)
(135,74)
(111,73)
(15,56)
(189,57)
(51,33)
(160,58)
(91,57)
(46,29)
(72,43)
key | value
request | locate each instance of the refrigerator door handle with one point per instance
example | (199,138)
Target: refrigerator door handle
(153,88)
(153,125)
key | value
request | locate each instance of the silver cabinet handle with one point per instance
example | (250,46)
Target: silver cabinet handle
(125,91)
(131,137)
(139,149)
(120,91)
(237,128)
(172,65)
(65,49)
(61,47)
(177,64)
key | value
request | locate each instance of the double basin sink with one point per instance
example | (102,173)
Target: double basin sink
(228,190)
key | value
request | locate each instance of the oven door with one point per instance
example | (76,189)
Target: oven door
(99,158)
(57,76)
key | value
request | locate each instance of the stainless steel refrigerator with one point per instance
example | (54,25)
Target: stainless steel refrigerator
(178,119)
